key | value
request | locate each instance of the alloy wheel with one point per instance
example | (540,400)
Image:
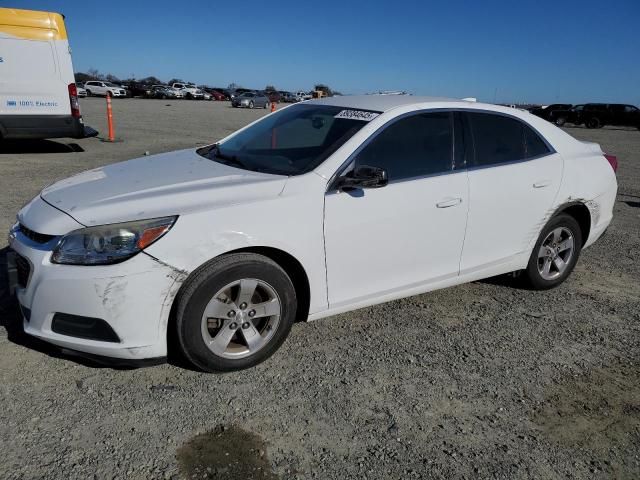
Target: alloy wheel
(555,253)
(241,318)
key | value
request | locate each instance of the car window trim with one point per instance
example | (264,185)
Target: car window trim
(331,184)
(351,158)
(474,166)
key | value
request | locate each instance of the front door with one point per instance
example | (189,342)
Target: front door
(380,241)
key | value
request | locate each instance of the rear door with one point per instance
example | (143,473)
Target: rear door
(513,181)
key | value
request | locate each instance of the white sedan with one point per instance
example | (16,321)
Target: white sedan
(317,209)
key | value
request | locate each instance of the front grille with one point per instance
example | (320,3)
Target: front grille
(23,268)
(35,236)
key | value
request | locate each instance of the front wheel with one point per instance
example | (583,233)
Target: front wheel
(235,312)
(555,254)
(251,104)
(560,121)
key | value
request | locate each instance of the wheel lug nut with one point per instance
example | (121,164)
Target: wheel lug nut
(245,325)
(231,314)
(243,306)
(252,313)
(233,326)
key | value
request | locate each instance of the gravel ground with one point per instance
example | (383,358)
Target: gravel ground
(478,381)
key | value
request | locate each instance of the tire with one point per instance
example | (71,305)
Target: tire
(89,94)
(560,121)
(251,104)
(548,248)
(593,122)
(225,330)
(266,105)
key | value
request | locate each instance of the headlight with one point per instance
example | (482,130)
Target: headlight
(108,244)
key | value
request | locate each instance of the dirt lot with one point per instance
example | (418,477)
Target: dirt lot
(478,381)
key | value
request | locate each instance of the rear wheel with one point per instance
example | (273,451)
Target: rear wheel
(89,94)
(235,312)
(560,121)
(251,104)
(593,123)
(555,254)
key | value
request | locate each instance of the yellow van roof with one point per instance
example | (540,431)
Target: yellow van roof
(32,24)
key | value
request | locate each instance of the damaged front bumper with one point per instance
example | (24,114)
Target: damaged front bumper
(118,311)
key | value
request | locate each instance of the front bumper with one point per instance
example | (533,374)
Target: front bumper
(133,298)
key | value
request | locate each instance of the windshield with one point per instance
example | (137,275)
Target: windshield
(292,141)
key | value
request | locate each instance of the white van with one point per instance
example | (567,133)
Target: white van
(38,95)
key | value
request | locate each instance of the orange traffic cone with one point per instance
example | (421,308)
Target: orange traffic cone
(110,118)
(273,107)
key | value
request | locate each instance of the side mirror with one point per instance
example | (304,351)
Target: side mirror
(364,176)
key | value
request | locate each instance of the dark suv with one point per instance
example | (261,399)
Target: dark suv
(596,115)
(550,113)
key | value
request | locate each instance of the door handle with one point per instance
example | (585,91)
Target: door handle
(449,202)
(542,184)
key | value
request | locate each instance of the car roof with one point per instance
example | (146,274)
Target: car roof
(383,103)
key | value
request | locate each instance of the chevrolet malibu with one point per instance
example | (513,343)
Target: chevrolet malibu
(317,209)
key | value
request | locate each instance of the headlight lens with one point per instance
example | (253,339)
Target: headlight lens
(108,244)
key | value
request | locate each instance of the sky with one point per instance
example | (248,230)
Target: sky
(495,50)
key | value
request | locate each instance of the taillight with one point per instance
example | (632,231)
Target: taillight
(73,99)
(613,161)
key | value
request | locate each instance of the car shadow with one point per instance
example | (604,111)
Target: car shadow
(38,146)
(632,203)
(11,321)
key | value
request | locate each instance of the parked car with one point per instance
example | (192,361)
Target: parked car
(99,88)
(288,97)
(137,89)
(81,91)
(189,91)
(274,96)
(163,92)
(213,94)
(550,112)
(572,115)
(251,100)
(302,95)
(171,92)
(596,115)
(357,200)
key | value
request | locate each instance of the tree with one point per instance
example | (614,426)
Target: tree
(152,80)
(112,78)
(269,88)
(175,80)
(82,77)
(95,74)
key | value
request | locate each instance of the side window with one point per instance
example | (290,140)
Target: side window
(534,146)
(497,138)
(418,145)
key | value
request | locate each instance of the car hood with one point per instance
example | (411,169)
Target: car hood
(172,183)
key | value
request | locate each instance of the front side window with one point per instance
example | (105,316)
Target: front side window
(415,146)
(502,139)
(291,141)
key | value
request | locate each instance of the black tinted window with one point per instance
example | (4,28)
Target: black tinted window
(501,139)
(415,146)
(534,146)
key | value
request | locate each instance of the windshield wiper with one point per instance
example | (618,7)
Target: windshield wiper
(214,153)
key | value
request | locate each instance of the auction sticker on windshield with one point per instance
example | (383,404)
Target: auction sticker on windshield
(357,115)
